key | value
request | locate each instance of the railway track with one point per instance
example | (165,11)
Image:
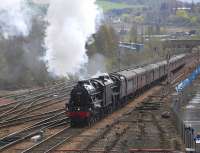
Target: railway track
(31,131)
(36,103)
(36,91)
(20,112)
(14,122)
(135,123)
(34,97)
(143,115)
(51,143)
(31,108)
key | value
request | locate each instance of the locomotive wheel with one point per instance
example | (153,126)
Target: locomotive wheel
(111,109)
(93,120)
(108,111)
(72,123)
(102,114)
(98,117)
(89,122)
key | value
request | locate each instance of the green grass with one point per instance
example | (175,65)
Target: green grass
(107,6)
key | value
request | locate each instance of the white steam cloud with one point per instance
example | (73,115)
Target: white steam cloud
(15,18)
(71,22)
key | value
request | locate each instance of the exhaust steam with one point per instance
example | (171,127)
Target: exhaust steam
(15,18)
(71,23)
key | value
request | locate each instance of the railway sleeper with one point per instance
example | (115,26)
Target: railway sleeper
(146,108)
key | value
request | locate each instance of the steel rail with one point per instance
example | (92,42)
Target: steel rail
(52,142)
(31,102)
(18,103)
(31,108)
(35,91)
(29,118)
(18,137)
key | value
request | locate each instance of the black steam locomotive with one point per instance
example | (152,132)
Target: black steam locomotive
(93,99)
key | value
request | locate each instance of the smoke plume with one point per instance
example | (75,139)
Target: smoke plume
(71,22)
(15,18)
(96,65)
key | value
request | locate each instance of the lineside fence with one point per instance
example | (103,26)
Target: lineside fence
(190,138)
(185,130)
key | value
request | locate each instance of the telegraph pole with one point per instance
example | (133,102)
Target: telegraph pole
(168,70)
(119,59)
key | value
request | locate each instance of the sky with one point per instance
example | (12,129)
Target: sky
(190,0)
(45,1)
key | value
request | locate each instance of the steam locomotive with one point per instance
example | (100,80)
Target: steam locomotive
(92,99)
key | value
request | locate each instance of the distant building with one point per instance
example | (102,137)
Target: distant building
(183,8)
(132,46)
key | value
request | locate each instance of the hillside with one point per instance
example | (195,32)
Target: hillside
(107,5)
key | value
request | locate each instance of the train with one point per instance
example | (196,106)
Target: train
(92,99)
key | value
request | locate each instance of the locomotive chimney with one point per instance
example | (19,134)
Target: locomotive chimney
(80,83)
(101,78)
